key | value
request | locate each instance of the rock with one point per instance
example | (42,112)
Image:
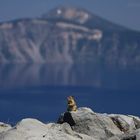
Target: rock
(136,121)
(134,135)
(83,124)
(32,129)
(114,138)
(124,123)
(27,128)
(101,126)
(4,127)
(85,121)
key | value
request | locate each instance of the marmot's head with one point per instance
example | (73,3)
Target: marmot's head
(70,99)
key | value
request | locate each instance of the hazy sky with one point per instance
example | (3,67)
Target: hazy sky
(124,12)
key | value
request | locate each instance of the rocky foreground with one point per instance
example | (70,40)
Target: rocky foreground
(83,124)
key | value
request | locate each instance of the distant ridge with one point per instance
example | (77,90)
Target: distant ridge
(68,35)
(81,16)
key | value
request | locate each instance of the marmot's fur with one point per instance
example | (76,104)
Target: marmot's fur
(71,104)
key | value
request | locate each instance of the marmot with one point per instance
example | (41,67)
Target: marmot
(71,104)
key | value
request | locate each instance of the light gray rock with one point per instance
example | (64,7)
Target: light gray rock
(124,123)
(32,129)
(4,127)
(102,126)
(114,138)
(136,121)
(99,126)
(84,124)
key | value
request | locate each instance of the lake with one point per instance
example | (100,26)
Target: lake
(40,90)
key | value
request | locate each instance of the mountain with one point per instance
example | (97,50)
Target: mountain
(82,17)
(68,35)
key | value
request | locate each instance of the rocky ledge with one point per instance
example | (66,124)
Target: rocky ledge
(83,124)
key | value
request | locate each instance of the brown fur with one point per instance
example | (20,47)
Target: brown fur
(71,104)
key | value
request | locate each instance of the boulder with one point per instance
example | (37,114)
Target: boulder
(85,121)
(4,127)
(32,129)
(102,126)
(83,124)
(123,122)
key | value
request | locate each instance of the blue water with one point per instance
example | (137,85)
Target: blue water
(40,91)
